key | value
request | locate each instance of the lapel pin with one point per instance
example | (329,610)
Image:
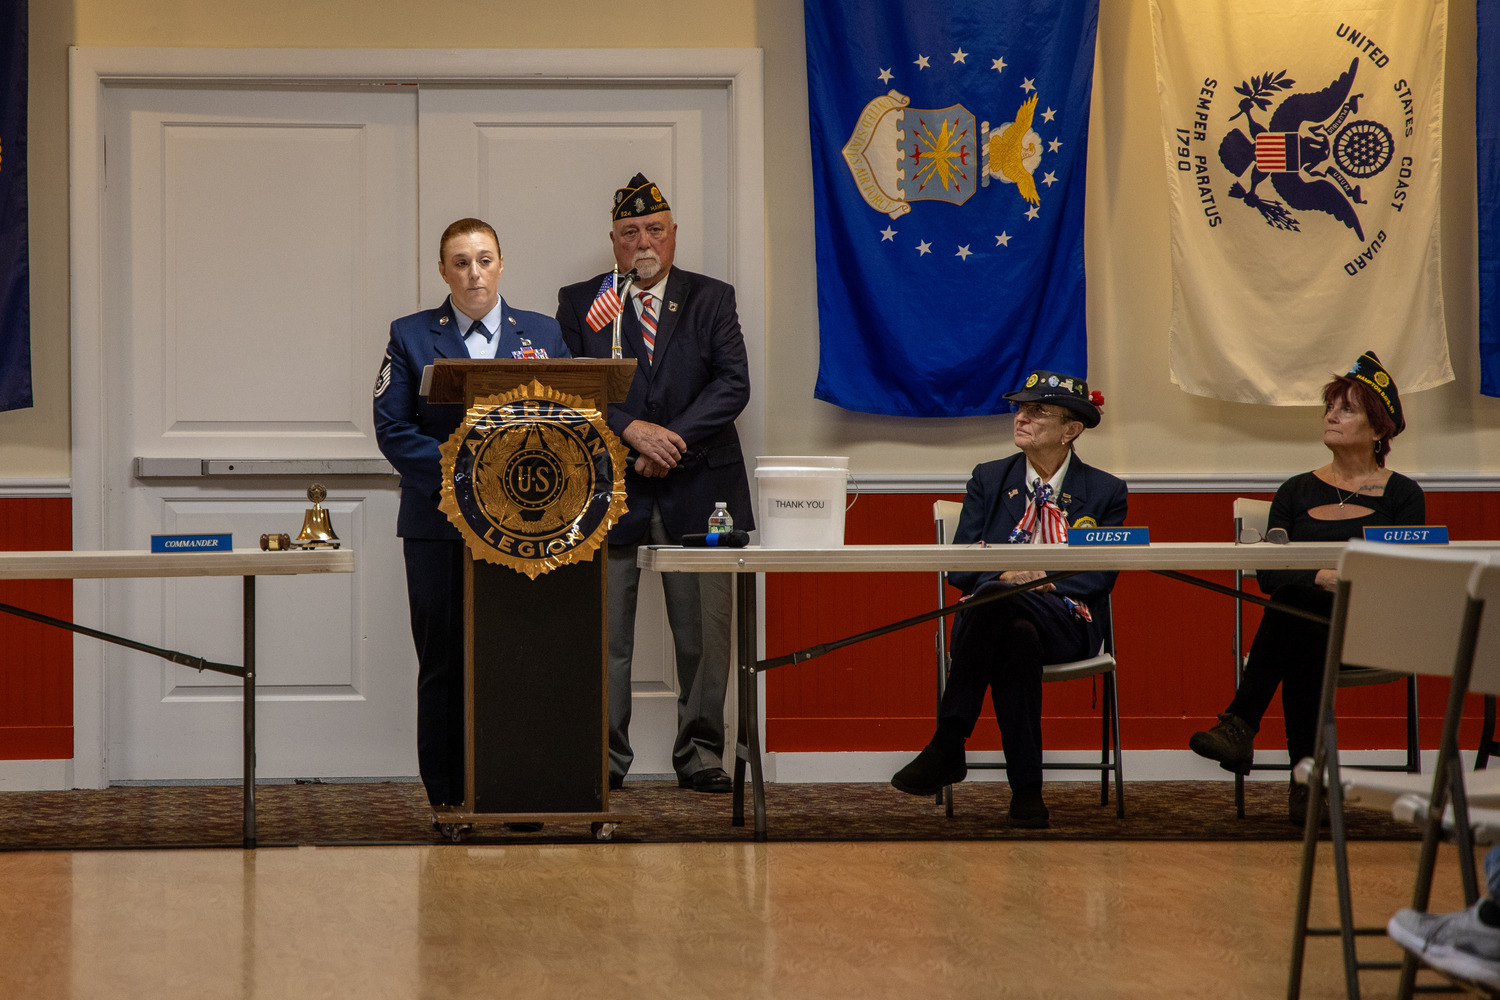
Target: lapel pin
(671,307)
(442,321)
(1012,494)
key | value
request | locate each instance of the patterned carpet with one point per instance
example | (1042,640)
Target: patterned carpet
(396,813)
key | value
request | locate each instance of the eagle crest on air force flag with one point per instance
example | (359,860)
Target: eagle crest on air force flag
(533,479)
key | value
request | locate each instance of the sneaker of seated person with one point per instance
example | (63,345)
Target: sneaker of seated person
(941,763)
(1231,743)
(1460,944)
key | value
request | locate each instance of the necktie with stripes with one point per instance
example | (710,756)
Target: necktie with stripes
(648,324)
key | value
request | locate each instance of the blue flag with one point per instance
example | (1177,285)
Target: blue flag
(15,270)
(1487,111)
(948,144)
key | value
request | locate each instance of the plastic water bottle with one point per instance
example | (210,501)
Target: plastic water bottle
(720,520)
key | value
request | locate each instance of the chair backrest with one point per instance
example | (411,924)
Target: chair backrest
(1405,607)
(945,517)
(1253,514)
(1484,585)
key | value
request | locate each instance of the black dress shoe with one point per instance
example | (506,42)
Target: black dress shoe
(1027,810)
(616,782)
(710,779)
(940,764)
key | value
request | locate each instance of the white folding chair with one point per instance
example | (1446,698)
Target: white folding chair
(945,515)
(1398,608)
(1251,519)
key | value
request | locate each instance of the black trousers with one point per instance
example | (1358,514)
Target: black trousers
(435,591)
(1001,647)
(1288,651)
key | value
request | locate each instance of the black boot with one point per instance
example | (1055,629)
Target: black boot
(941,763)
(1027,810)
(1231,743)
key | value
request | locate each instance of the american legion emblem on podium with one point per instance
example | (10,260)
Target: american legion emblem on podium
(533,479)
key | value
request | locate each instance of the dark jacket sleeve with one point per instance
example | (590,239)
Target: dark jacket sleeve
(970,525)
(415,455)
(727,391)
(570,321)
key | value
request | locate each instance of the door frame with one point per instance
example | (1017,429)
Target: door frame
(92,70)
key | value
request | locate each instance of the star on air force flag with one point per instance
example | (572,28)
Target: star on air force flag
(948,143)
(1303,154)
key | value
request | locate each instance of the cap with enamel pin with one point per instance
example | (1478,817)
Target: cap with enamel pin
(1061,390)
(1370,372)
(638,197)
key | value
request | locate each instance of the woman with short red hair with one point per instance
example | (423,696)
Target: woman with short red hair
(1334,503)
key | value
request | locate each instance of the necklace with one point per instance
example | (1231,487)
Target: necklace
(1345,499)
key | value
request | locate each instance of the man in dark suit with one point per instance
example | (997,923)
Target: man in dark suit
(691,381)
(474,322)
(1032,496)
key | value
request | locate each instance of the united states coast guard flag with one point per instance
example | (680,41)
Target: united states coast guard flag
(1487,113)
(1302,153)
(948,143)
(15,271)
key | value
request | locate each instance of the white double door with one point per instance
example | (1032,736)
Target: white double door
(257,241)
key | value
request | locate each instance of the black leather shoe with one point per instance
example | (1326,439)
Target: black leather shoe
(710,779)
(940,764)
(1027,810)
(616,781)
(523,827)
(1231,743)
(1296,806)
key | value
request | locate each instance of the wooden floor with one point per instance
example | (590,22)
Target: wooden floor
(779,921)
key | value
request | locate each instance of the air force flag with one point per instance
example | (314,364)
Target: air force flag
(1303,151)
(15,268)
(948,144)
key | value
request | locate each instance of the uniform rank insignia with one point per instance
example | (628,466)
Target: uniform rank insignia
(383,379)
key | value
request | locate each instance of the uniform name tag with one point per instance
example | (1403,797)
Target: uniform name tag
(1425,534)
(192,543)
(1109,536)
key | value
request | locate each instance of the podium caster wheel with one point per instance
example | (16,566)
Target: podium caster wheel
(603,831)
(456,832)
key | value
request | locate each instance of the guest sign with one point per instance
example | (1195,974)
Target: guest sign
(1414,534)
(1109,536)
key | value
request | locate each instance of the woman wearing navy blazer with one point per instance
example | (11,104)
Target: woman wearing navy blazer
(474,322)
(1030,497)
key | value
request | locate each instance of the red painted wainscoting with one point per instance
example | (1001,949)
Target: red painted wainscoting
(36,661)
(1174,644)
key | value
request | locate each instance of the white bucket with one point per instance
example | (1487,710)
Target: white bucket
(802,500)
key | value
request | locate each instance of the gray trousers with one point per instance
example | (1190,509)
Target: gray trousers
(698,613)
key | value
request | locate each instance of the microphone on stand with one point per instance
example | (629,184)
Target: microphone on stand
(630,276)
(735,539)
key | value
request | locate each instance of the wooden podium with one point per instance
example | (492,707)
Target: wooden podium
(536,674)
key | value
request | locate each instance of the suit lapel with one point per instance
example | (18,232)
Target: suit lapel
(1013,491)
(1074,491)
(447,341)
(674,295)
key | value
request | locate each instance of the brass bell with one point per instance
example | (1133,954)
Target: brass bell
(317,531)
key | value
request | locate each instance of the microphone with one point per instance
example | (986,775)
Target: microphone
(735,539)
